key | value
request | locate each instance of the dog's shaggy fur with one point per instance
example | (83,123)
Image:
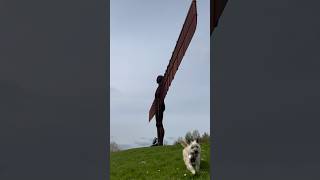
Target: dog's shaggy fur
(191,155)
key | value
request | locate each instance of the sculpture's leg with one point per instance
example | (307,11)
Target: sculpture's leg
(161,135)
(158,134)
(160,129)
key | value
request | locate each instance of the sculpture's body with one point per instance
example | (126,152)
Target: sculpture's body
(159,112)
(186,34)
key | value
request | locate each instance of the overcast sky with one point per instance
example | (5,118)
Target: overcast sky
(143,35)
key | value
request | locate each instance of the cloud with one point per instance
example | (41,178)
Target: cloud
(137,59)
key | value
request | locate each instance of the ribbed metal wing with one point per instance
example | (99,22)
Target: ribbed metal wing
(183,42)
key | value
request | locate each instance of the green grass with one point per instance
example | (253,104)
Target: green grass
(156,163)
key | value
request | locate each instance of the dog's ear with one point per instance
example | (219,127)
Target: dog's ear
(183,143)
(197,140)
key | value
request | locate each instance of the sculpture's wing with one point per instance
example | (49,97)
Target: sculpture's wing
(183,42)
(152,110)
(216,8)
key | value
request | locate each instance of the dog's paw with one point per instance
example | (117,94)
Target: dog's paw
(193,172)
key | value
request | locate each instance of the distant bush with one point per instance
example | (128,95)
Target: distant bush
(191,136)
(188,137)
(178,141)
(114,147)
(194,135)
(205,138)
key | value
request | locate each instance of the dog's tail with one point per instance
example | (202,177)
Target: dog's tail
(183,143)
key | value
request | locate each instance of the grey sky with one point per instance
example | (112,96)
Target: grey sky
(142,37)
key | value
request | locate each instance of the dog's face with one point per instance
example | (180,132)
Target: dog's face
(194,151)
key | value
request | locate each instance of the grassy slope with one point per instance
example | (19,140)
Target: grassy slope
(156,163)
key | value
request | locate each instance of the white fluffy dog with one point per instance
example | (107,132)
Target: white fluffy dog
(191,155)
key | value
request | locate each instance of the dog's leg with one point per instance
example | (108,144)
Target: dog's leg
(198,164)
(190,167)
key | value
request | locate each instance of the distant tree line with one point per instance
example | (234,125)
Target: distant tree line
(189,137)
(194,135)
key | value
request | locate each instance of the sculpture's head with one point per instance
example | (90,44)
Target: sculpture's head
(159,79)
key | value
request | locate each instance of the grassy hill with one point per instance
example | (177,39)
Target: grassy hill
(156,163)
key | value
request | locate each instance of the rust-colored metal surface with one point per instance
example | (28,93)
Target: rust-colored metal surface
(216,8)
(183,42)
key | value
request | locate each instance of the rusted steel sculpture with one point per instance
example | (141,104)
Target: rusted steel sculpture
(164,81)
